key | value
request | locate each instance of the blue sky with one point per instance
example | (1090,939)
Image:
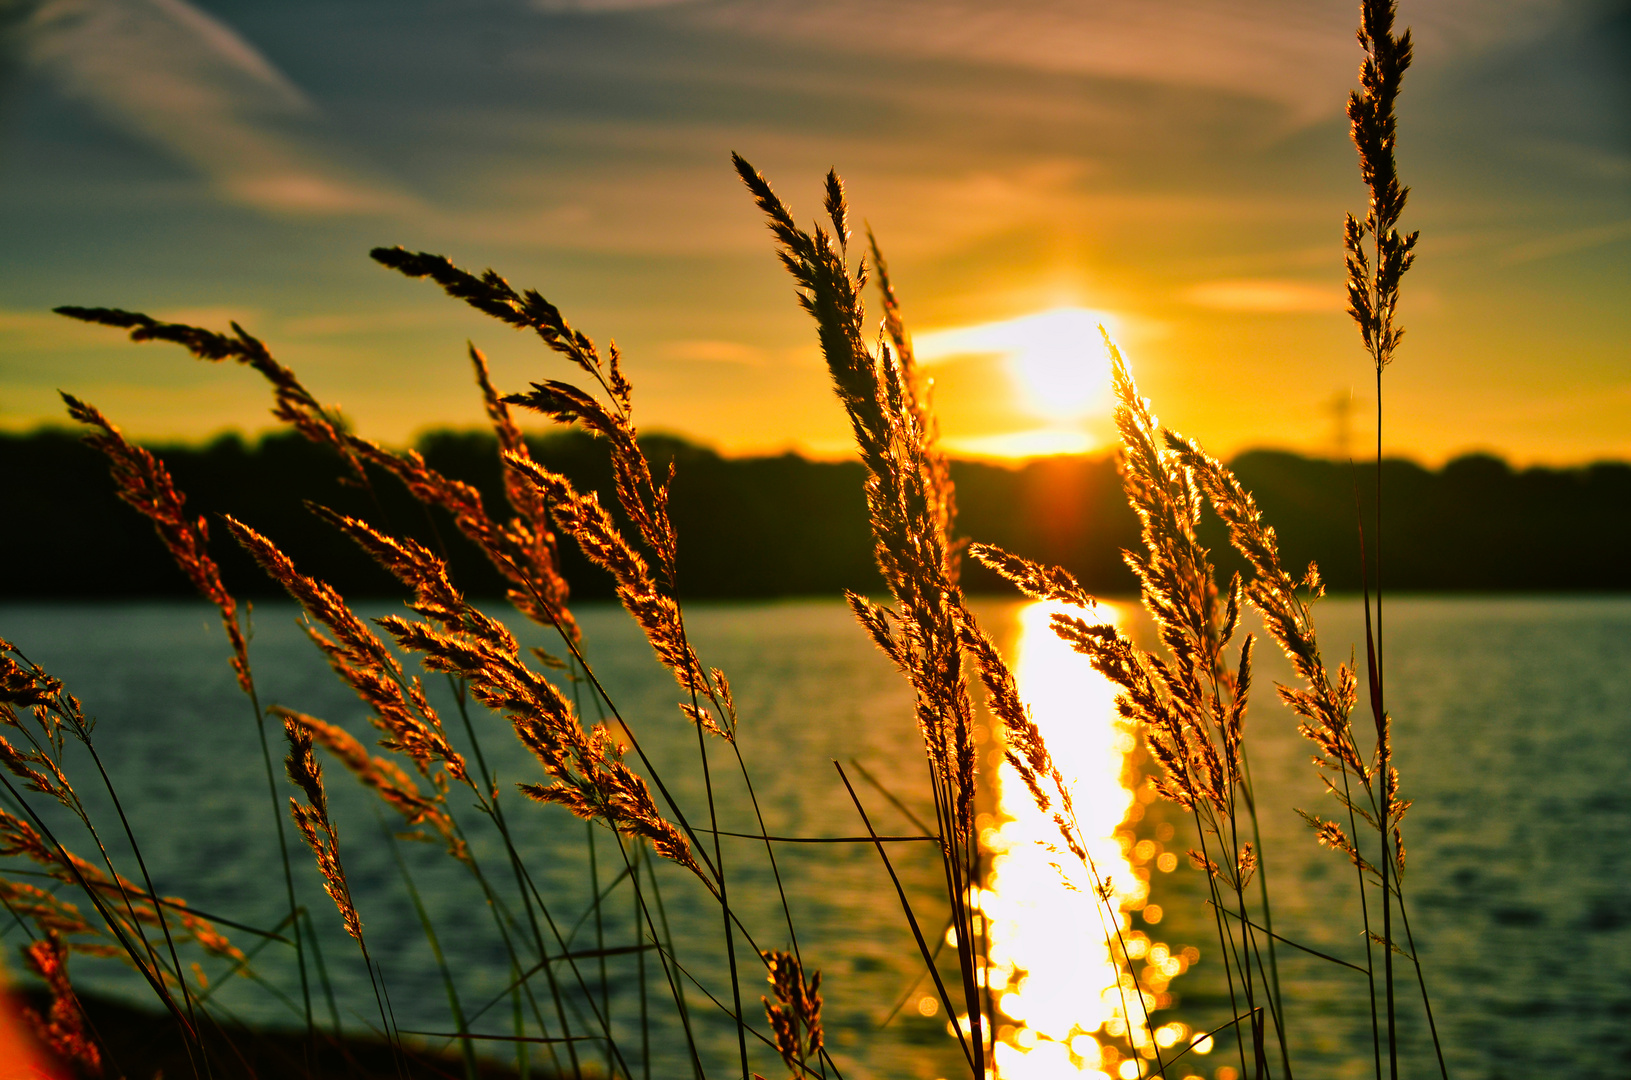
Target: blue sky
(1179,165)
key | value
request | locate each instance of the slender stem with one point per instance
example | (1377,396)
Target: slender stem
(770,852)
(724,901)
(640,963)
(911,919)
(1299,946)
(1268,913)
(667,957)
(497,815)
(288,870)
(1246,948)
(518,1017)
(1422,980)
(600,935)
(141,863)
(467,1048)
(1226,940)
(322,969)
(1364,914)
(1384,816)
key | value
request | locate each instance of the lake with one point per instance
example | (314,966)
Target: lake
(1512,735)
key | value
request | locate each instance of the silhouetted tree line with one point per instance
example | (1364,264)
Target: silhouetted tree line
(780,526)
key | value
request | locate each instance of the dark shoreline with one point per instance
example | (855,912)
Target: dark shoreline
(760,528)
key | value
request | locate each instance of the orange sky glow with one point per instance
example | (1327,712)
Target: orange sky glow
(1176,169)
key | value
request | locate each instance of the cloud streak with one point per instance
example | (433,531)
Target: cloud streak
(1567,243)
(182,80)
(1296,53)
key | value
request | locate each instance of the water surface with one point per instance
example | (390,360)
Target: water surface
(1513,734)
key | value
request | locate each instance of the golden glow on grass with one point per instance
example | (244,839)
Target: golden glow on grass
(1055,358)
(1061,1010)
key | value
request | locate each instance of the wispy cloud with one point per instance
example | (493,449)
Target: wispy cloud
(381,321)
(183,80)
(1299,54)
(684,206)
(1566,243)
(41,331)
(599,6)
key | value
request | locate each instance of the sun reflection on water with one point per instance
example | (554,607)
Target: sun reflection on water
(1062,1000)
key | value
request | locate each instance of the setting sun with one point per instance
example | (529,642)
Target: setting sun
(1055,358)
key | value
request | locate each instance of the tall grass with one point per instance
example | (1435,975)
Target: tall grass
(1188,702)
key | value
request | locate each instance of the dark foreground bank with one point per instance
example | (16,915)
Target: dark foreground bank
(141,1044)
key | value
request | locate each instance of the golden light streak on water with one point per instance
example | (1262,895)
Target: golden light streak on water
(1062,1011)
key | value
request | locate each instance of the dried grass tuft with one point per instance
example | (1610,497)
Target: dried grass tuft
(386,779)
(64,1028)
(411,725)
(795,1015)
(312,819)
(457,638)
(144,483)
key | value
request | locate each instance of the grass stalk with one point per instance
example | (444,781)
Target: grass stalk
(600,934)
(310,930)
(665,954)
(724,902)
(1421,980)
(640,961)
(288,872)
(495,811)
(1268,915)
(466,1047)
(911,919)
(1374,652)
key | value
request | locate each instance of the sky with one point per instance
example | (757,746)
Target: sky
(1177,169)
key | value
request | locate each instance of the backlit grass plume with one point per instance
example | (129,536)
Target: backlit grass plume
(394,786)
(795,1014)
(1374,277)
(648,589)
(144,483)
(293,403)
(401,711)
(590,778)
(316,827)
(907,509)
(1373,298)
(522,549)
(929,633)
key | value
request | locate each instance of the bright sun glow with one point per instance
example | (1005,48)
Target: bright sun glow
(1056,358)
(1037,442)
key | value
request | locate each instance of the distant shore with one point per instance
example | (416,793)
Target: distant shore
(788,526)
